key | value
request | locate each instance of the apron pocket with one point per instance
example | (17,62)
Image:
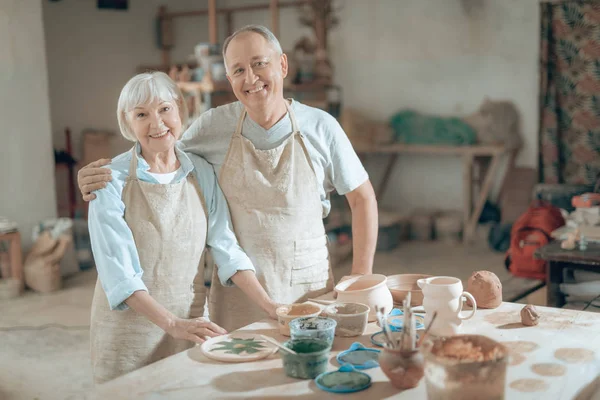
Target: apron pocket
(311,260)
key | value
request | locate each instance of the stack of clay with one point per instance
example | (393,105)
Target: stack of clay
(42,265)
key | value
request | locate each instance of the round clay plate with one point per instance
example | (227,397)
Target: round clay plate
(237,347)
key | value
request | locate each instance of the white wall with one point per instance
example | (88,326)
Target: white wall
(93,52)
(436,56)
(27,193)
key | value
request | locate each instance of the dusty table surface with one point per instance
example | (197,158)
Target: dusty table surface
(190,374)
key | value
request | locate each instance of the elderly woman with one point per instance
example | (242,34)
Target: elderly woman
(149,228)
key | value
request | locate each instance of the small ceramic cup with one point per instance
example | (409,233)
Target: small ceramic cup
(313,328)
(287,313)
(310,361)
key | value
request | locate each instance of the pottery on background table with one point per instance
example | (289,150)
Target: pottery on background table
(311,358)
(445,296)
(287,313)
(404,369)
(465,367)
(370,290)
(401,285)
(313,328)
(351,318)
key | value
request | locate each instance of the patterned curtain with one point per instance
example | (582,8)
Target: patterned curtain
(569,137)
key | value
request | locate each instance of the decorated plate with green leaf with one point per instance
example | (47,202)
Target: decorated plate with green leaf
(238,347)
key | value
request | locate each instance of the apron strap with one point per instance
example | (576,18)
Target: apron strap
(133,163)
(292,117)
(238,128)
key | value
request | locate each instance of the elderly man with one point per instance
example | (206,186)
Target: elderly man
(277,160)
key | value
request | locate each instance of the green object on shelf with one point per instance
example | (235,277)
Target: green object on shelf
(411,127)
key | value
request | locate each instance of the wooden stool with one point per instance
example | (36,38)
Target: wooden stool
(14,252)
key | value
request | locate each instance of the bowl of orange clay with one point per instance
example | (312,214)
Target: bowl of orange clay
(465,366)
(287,313)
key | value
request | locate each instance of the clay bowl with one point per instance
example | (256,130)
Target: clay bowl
(401,285)
(451,361)
(287,313)
(351,318)
(370,290)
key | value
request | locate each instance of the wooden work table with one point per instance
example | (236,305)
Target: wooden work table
(190,375)
(472,156)
(559,260)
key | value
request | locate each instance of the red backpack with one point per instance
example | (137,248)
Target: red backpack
(531,231)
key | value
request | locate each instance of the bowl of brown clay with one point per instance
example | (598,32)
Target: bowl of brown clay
(401,285)
(287,313)
(351,318)
(465,366)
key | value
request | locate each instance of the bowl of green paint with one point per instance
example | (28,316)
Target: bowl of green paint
(310,360)
(313,328)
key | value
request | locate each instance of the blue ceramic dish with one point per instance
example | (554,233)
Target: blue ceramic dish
(359,356)
(345,380)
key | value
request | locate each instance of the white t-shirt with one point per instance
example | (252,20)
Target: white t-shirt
(337,167)
(164,178)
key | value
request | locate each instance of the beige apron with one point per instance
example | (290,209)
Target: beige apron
(276,212)
(169,227)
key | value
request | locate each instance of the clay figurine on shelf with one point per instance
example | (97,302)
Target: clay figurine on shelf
(174,73)
(486,288)
(530,315)
(569,242)
(185,75)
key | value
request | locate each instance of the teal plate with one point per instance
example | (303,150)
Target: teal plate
(345,380)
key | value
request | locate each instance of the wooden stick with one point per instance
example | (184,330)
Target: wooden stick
(276,343)
(427,330)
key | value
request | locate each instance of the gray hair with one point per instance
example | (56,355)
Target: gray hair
(146,88)
(261,30)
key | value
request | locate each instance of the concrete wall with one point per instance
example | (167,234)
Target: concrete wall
(27,192)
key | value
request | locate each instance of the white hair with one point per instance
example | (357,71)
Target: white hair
(144,89)
(261,30)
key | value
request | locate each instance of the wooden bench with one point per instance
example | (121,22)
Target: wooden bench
(472,159)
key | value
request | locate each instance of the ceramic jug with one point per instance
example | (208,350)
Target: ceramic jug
(445,295)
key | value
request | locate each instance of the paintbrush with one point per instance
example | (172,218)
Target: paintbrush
(380,318)
(427,329)
(276,343)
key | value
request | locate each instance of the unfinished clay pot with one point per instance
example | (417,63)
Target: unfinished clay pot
(486,288)
(404,369)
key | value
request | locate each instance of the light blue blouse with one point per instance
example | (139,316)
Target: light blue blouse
(113,246)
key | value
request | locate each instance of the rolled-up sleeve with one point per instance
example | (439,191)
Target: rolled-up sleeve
(114,249)
(229,257)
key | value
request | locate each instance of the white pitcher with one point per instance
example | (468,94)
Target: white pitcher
(445,295)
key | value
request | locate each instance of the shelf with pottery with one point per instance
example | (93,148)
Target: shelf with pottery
(546,352)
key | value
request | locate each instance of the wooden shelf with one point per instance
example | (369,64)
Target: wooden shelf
(426,149)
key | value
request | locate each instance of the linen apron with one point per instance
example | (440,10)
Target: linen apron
(276,212)
(169,226)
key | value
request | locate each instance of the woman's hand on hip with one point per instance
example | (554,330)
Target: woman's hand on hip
(93,177)
(195,330)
